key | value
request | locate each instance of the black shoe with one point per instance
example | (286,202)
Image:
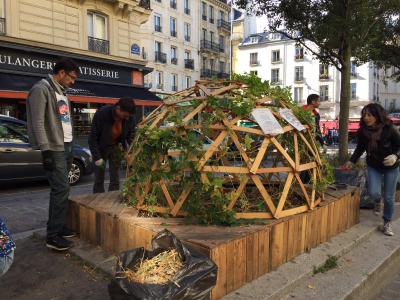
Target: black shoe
(57,242)
(67,233)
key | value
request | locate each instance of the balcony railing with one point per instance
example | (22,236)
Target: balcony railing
(224,24)
(189,64)
(204,17)
(254,63)
(299,57)
(212,20)
(187,11)
(353,75)
(276,61)
(157,28)
(161,57)
(173,33)
(187,38)
(159,86)
(205,73)
(222,75)
(174,61)
(299,78)
(2,26)
(98,45)
(172,4)
(276,81)
(324,77)
(174,88)
(145,4)
(207,45)
(326,98)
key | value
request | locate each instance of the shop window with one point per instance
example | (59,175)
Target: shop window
(83,117)
(97,33)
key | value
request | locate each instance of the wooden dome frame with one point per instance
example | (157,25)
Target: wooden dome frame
(252,171)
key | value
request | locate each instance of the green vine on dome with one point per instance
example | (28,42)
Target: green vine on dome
(207,201)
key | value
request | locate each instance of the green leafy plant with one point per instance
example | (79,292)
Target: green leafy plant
(170,153)
(329,264)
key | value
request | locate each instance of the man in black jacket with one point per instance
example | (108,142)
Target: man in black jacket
(112,130)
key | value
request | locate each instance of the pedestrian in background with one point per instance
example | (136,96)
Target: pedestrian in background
(7,247)
(50,130)
(381,140)
(112,128)
(313,102)
(335,136)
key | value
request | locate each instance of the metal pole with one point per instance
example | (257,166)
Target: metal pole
(231,47)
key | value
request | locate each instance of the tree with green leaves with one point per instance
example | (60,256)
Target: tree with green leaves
(339,31)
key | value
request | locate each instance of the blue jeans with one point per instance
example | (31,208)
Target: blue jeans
(99,173)
(6,262)
(59,189)
(390,178)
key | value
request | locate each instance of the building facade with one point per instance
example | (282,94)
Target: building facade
(102,36)
(185,41)
(274,57)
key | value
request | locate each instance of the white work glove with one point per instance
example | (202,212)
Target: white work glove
(390,160)
(324,148)
(100,163)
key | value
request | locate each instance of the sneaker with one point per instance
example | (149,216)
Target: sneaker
(386,228)
(377,208)
(58,242)
(67,233)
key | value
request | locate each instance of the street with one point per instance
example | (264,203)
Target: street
(24,205)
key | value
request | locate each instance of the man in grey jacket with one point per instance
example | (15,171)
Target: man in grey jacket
(50,130)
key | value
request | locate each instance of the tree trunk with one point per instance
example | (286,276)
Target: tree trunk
(344,106)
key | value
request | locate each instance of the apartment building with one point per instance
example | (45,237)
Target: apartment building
(185,41)
(102,36)
(389,90)
(274,57)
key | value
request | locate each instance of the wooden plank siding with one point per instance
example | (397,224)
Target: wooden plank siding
(241,253)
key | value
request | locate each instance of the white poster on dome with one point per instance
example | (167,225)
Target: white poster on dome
(287,114)
(267,121)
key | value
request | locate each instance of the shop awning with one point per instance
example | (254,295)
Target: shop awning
(23,83)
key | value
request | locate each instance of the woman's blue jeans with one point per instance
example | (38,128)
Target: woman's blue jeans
(390,177)
(59,189)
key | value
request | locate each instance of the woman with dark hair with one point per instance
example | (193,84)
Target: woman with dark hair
(381,140)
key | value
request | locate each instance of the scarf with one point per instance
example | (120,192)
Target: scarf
(373,133)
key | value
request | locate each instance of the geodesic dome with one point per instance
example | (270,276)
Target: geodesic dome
(243,172)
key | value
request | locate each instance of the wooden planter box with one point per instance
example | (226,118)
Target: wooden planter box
(241,253)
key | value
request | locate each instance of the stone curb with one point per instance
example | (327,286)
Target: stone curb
(296,280)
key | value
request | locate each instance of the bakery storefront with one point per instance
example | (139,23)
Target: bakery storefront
(100,82)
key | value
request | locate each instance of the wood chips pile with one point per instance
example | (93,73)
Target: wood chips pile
(158,270)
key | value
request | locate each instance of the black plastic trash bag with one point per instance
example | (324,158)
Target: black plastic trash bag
(356,178)
(196,278)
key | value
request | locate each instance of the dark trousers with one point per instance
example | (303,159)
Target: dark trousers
(99,173)
(59,189)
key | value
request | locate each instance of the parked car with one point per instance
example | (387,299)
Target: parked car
(18,161)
